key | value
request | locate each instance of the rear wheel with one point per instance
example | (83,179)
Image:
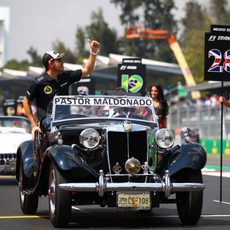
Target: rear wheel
(59,200)
(189,204)
(28,202)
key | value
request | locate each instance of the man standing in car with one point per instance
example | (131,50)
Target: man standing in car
(54,81)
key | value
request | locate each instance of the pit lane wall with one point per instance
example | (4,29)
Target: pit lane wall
(206,122)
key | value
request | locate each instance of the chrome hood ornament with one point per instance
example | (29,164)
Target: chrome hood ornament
(127,125)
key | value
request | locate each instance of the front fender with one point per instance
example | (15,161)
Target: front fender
(190,155)
(25,154)
(66,159)
(63,156)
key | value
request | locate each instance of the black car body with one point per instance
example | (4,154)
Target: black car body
(110,151)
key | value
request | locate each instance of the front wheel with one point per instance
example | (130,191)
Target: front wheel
(189,204)
(59,200)
(28,202)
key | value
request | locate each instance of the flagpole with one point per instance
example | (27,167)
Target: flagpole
(221,140)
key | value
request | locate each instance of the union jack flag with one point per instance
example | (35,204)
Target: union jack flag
(217,59)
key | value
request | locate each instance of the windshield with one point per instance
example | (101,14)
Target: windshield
(66,107)
(15,122)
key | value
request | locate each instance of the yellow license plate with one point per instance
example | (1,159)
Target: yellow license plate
(134,200)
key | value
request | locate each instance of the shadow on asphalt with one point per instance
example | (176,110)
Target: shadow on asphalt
(5,180)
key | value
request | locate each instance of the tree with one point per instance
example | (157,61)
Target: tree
(196,18)
(60,47)
(153,14)
(80,43)
(158,15)
(36,59)
(128,8)
(100,31)
(17,65)
(194,53)
(195,23)
(220,12)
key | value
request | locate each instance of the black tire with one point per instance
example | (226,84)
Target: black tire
(59,200)
(189,204)
(28,202)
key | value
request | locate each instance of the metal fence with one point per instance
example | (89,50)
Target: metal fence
(207,120)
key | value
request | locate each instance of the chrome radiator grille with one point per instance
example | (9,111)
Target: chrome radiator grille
(6,158)
(122,146)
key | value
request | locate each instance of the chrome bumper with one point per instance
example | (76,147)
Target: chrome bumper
(102,186)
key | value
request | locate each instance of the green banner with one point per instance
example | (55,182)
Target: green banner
(213,146)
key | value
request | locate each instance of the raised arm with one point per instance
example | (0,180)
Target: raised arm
(89,66)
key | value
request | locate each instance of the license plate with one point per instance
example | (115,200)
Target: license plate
(134,200)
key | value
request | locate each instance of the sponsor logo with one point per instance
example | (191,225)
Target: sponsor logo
(64,84)
(40,78)
(123,67)
(131,67)
(223,38)
(212,38)
(48,89)
(219,29)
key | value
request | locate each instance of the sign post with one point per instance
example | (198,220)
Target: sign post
(131,75)
(217,68)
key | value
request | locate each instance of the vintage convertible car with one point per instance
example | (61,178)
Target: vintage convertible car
(109,151)
(13,131)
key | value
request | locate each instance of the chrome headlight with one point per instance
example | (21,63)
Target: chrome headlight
(165,138)
(89,138)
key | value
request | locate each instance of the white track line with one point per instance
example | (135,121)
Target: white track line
(213,215)
(7,177)
(223,202)
(215,173)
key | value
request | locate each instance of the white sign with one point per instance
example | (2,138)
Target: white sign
(100,101)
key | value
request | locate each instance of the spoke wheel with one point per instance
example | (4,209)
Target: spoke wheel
(59,200)
(189,204)
(28,202)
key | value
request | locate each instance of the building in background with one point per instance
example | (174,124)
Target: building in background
(4,33)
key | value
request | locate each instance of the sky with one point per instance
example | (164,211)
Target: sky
(39,23)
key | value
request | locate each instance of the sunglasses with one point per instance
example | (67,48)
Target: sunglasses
(59,60)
